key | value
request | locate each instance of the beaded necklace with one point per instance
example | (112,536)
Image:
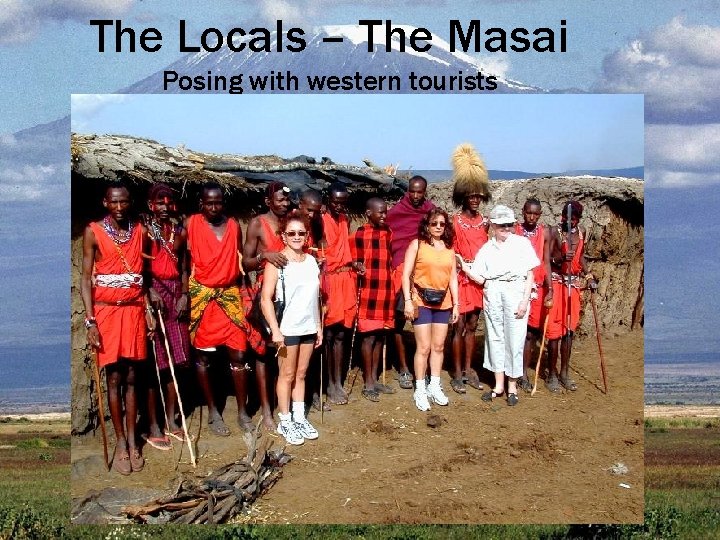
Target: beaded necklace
(468,225)
(169,244)
(118,237)
(529,234)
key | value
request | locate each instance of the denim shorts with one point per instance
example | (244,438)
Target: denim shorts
(428,315)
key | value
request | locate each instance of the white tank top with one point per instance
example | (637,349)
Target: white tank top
(302,281)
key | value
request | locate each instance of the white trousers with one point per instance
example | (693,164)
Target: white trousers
(504,334)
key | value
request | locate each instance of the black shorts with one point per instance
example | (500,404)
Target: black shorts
(291,341)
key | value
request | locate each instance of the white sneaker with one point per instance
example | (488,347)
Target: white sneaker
(435,393)
(290,432)
(421,400)
(306,429)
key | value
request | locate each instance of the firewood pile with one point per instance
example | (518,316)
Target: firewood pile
(221,495)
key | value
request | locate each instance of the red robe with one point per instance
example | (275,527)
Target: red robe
(470,236)
(558,324)
(122,327)
(215,264)
(339,287)
(537,240)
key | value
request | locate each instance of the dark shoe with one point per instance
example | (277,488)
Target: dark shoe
(492,394)
(524,384)
(458,386)
(471,378)
(405,380)
(371,394)
(551,383)
(384,388)
(512,400)
(567,383)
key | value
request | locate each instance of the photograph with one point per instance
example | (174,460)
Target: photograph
(405,319)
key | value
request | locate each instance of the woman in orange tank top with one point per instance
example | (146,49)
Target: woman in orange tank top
(429,282)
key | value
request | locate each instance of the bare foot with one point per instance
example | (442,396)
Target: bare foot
(245,422)
(268,422)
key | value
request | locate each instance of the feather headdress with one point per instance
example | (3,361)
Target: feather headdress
(469,174)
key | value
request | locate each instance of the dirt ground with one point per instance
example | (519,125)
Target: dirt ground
(546,460)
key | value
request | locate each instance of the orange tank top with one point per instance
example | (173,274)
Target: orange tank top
(433,269)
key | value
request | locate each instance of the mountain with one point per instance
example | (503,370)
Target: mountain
(344,58)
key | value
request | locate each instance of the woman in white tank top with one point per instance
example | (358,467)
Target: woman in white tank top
(299,331)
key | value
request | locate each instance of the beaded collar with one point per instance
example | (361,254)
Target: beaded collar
(167,245)
(119,237)
(529,234)
(467,225)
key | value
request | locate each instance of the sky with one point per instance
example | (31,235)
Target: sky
(666,50)
(540,133)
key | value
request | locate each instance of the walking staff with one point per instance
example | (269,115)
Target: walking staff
(101,408)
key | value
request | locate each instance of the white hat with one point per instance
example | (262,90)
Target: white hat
(502,214)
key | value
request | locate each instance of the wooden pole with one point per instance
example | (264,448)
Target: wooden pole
(101,407)
(597,332)
(542,347)
(177,390)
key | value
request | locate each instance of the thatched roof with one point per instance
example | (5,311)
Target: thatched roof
(118,157)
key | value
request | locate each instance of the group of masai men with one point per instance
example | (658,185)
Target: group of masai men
(184,283)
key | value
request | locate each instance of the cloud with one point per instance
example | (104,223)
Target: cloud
(85,106)
(681,155)
(21,20)
(676,66)
(25,182)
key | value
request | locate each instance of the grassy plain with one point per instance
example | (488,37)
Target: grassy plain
(682,494)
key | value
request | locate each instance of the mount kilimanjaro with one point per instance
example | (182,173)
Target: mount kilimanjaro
(346,58)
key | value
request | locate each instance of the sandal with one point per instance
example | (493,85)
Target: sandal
(371,394)
(458,386)
(551,383)
(471,378)
(137,462)
(492,394)
(159,443)
(512,399)
(384,388)
(121,463)
(524,384)
(218,427)
(405,380)
(178,434)
(567,383)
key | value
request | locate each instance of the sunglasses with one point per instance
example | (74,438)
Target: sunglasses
(437,224)
(504,225)
(293,234)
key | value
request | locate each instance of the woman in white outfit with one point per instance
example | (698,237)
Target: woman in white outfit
(300,330)
(504,265)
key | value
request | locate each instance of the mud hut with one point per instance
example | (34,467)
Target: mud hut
(613,217)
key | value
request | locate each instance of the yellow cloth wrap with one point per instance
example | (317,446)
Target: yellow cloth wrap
(228,298)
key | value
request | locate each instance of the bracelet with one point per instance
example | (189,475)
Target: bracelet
(90,322)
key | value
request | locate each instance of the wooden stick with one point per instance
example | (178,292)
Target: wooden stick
(322,401)
(384,356)
(162,394)
(177,390)
(597,332)
(101,408)
(352,340)
(542,347)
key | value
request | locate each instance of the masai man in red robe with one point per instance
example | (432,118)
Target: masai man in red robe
(568,266)
(114,298)
(264,245)
(217,318)
(470,190)
(542,296)
(339,289)
(370,248)
(168,291)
